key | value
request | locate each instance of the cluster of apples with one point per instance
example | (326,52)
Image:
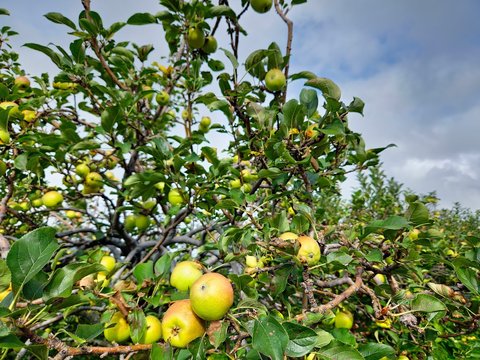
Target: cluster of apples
(210,298)
(196,39)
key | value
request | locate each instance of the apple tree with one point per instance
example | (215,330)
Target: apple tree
(126,231)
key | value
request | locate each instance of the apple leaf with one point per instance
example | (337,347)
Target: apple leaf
(301,339)
(417,213)
(221,10)
(309,98)
(376,351)
(335,350)
(468,277)
(357,105)
(269,337)
(60,19)
(30,254)
(427,303)
(62,281)
(88,331)
(5,276)
(4,12)
(56,58)
(138,325)
(141,19)
(326,86)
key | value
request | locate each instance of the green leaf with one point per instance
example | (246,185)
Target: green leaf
(275,59)
(340,257)
(231,57)
(269,337)
(374,255)
(4,12)
(293,114)
(417,213)
(309,99)
(303,75)
(109,117)
(143,271)
(391,223)
(301,339)
(254,63)
(60,19)
(89,332)
(221,10)
(138,325)
(376,351)
(62,281)
(11,342)
(56,58)
(5,276)
(427,303)
(335,350)
(141,19)
(468,277)
(30,254)
(326,86)
(357,105)
(160,352)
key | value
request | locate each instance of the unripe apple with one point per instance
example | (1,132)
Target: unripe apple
(37,202)
(184,274)
(180,325)
(82,170)
(235,184)
(71,214)
(175,197)
(261,6)
(149,204)
(22,82)
(211,296)
(162,98)
(120,331)
(94,180)
(195,38)
(344,320)
(4,136)
(108,262)
(403,357)
(160,186)
(153,333)
(142,222)
(52,199)
(210,45)
(205,121)
(309,251)
(130,223)
(275,80)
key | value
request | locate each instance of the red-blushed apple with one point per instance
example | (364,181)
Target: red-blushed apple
(211,296)
(180,325)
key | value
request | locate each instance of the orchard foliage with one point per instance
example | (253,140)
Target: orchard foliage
(125,144)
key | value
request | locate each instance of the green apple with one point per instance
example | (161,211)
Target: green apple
(210,45)
(120,331)
(195,38)
(94,180)
(275,80)
(108,262)
(4,136)
(130,223)
(180,325)
(184,274)
(235,184)
(309,251)
(344,320)
(149,204)
(205,122)
(403,357)
(3,168)
(52,199)
(82,170)
(160,186)
(37,202)
(153,333)
(142,222)
(175,197)
(211,296)
(162,98)
(261,6)
(22,82)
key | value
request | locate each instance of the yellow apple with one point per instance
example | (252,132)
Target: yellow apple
(309,251)
(22,82)
(344,319)
(211,296)
(82,170)
(108,262)
(235,184)
(52,199)
(13,107)
(29,115)
(251,261)
(93,180)
(175,197)
(153,333)
(120,331)
(180,325)
(288,236)
(184,274)
(413,235)
(379,279)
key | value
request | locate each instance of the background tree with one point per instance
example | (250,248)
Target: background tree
(110,180)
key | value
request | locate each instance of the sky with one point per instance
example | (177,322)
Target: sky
(414,63)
